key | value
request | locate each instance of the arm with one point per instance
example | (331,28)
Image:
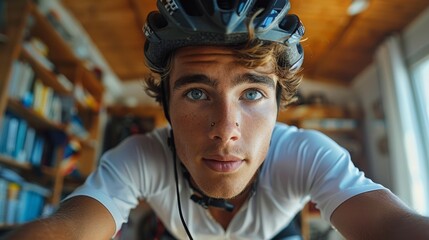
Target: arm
(379,215)
(78,218)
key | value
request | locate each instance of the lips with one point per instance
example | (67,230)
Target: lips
(223,164)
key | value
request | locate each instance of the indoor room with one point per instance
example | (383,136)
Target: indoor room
(72,91)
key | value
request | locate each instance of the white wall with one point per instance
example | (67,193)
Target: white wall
(367,87)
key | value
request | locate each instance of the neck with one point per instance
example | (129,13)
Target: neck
(223,217)
(225,204)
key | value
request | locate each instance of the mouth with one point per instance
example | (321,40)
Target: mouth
(223,164)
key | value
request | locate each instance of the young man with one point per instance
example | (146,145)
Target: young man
(225,169)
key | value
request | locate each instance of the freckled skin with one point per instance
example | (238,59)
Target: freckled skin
(226,103)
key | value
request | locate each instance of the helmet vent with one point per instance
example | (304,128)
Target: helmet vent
(191,8)
(208,5)
(258,5)
(289,23)
(157,20)
(225,4)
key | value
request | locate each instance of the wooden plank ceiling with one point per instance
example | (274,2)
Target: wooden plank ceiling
(337,46)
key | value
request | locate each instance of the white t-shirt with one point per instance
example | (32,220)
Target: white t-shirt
(300,165)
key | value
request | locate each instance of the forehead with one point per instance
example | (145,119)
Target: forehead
(210,60)
(200,55)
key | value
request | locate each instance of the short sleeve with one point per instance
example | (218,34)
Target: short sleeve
(126,174)
(309,165)
(332,177)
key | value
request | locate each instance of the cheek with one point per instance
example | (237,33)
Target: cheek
(183,121)
(259,126)
(187,130)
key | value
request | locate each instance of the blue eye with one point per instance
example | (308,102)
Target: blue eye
(252,95)
(196,94)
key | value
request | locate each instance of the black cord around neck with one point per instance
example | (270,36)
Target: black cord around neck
(176,179)
(204,200)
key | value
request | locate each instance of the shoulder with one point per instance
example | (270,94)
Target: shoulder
(297,157)
(143,159)
(140,155)
(301,144)
(141,145)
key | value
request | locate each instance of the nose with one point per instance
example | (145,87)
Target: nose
(226,123)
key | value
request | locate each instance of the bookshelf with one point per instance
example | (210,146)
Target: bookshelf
(342,126)
(50,105)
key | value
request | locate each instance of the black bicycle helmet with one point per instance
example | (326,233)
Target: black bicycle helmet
(181,23)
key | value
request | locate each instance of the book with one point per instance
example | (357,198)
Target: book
(24,207)
(3,200)
(56,109)
(31,202)
(12,136)
(29,143)
(37,153)
(25,82)
(46,104)
(12,203)
(38,96)
(19,154)
(20,201)
(15,78)
(3,133)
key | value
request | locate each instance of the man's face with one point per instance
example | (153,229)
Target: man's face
(222,116)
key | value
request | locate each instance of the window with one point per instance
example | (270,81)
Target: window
(420,83)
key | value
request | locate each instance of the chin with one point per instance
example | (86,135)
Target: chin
(226,189)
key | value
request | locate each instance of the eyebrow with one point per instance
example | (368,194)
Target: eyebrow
(255,78)
(196,78)
(203,79)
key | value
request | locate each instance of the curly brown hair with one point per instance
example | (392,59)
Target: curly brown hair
(251,55)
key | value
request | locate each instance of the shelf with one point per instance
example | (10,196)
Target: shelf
(59,51)
(40,122)
(12,163)
(302,112)
(46,76)
(147,111)
(34,119)
(58,77)
(4,228)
